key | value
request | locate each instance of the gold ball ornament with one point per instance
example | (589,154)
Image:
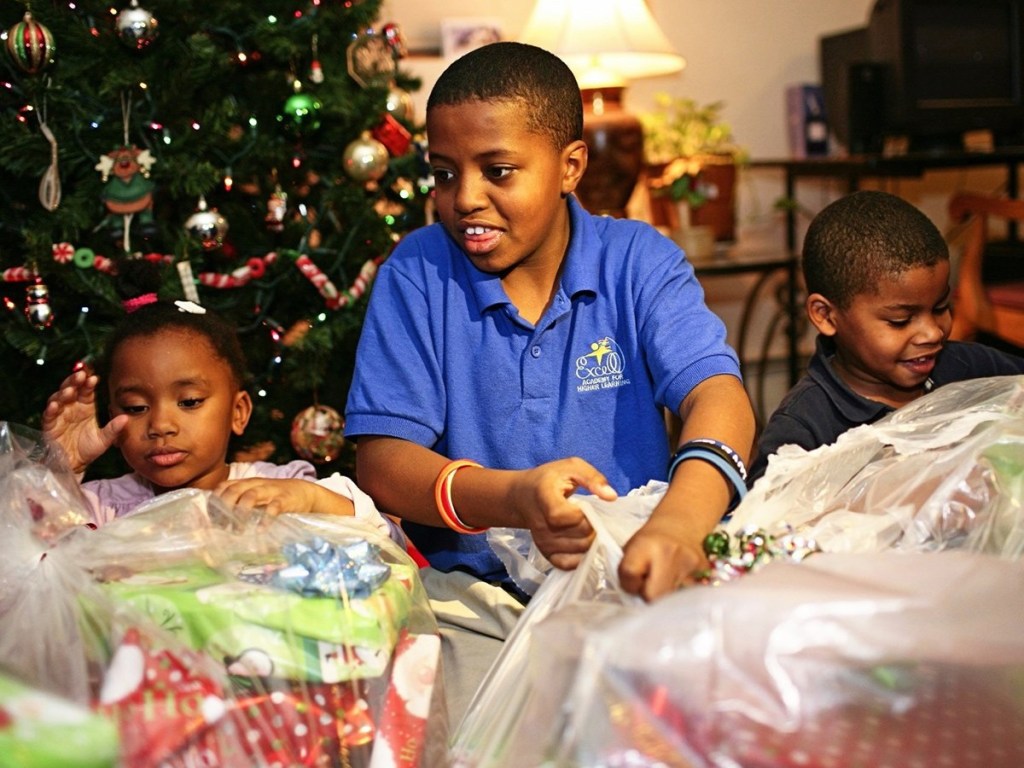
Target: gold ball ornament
(399,103)
(366,159)
(318,434)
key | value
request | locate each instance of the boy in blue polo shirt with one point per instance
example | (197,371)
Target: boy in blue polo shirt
(521,350)
(877,275)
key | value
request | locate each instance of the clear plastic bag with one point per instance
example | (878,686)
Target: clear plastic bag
(883,660)
(512,706)
(619,519)
(944,472)
(216,637)
(883,630)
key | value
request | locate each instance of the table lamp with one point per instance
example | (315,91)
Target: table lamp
(605,43)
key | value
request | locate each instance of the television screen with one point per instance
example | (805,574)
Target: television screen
(963,55)
(926,73)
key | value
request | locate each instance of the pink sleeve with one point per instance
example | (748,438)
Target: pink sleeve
(300,470)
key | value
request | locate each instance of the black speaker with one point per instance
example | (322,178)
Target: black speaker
(866,115)
(854,91)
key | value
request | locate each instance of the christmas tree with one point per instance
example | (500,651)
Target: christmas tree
(263,153)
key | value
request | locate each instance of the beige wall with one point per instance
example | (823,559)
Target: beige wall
(742,52)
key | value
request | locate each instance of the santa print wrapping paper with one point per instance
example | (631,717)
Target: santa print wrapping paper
(403,723)
(173,710)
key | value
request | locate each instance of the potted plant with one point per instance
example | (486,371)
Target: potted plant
(692,160)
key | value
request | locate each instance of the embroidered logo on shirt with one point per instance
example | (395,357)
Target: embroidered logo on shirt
(603,367)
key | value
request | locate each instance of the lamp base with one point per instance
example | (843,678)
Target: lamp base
(615,142)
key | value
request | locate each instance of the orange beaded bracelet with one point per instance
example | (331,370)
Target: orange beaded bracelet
(443,496)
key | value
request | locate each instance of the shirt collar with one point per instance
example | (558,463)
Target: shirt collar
(852,406)
(579,273)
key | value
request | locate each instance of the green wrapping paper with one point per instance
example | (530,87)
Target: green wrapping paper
(261,630)
(41,730)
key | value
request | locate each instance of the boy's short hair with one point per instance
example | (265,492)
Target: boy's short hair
(863,237)
(539,82)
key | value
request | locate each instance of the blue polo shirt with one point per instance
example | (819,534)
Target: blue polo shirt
(445,361)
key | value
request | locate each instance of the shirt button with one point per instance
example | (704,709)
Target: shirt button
(535,351)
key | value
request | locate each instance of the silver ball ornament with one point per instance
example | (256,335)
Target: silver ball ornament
(366,159)
(207,227)
(38,310)
(136,27)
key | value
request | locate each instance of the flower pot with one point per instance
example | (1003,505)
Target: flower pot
(717,180)
(697,241)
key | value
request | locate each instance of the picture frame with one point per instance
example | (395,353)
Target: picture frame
(462,34)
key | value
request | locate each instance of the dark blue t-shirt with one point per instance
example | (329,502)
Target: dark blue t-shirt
(821,406)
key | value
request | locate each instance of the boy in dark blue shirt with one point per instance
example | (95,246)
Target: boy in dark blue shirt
(877,274)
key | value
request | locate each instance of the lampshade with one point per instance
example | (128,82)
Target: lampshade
(604,42)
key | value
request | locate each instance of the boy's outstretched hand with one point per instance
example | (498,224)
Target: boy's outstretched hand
(660,558)
(69,420)
(558,526)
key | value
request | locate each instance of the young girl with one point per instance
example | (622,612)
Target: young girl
(175,378)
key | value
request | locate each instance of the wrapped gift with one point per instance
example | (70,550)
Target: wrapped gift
(843,661)
(172,706)
(41,730)
(259,625)
(206,635)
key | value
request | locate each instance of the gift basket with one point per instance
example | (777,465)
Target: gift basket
(862,610)
(880,660)
(944,472)
(214,637)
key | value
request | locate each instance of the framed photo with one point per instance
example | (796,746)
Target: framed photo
(461,35)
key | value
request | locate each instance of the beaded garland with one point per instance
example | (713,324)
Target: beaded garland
(732,556)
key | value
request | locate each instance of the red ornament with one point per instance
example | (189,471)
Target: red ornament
(30,45)
(393,135)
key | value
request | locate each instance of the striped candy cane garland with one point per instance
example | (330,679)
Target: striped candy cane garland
(254,269)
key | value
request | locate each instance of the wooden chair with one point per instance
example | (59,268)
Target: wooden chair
(994,309)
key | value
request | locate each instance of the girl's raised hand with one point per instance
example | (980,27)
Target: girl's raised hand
(69,420)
